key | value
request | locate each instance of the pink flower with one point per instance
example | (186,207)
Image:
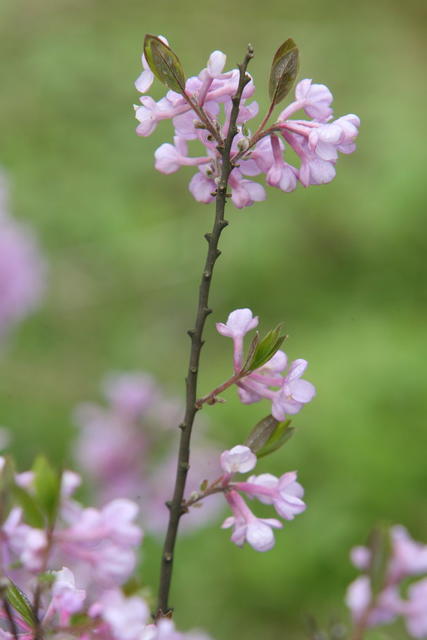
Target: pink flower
(126,617)
(202,186)
(316,141)
(239,459)
(284,493)
(280,174)
(257,532)
(239,322)
(244,192)
(102,543)
(169,158)
(409,558)
(130,394)
(340,135)
(315,99)
(164,629)
(361,557)
(66,598)
(359,600)
(415,609)
(22,269)
(289,393)
(294,393)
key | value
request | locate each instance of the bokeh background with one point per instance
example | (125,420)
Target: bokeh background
(344,265)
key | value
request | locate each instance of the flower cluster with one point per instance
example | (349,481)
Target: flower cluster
(22,270)
(407,559)
(316,141)
(284,494)
(287,393)
(75,565)
(127,448)
(101,543)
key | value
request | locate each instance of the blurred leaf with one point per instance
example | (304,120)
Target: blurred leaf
(261,432)
(47,486)
(261,351)
(284,70)
(204,485)
(280,435)
(32,513)
(7,475)
(268,435)
(379,544)
(19,601)
(164,63)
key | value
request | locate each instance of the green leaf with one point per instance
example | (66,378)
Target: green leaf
(204,485)
(47,486)
(261,432)
(251,351)
(268,435)
(379,544)
(32,513)
(284,70)
(19,601)
(164,63)
(7,477)
(281,434)
(264,349)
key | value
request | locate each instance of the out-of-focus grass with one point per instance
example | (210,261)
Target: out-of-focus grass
(343,265)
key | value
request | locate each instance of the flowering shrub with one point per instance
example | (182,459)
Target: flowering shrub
(71,571)
(66,564)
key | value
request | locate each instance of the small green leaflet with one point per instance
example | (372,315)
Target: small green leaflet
(164,63)
(284,70)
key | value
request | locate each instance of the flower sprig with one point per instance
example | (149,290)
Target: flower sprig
(200,109)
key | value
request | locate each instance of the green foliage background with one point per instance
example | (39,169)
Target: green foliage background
(343,265)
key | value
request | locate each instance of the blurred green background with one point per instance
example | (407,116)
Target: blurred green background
(344,265)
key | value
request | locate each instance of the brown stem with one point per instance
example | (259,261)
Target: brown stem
(176,506)
(210,491)
(200,112)
(212,397)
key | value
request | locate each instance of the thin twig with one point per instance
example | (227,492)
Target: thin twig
(212,397)
(176,507)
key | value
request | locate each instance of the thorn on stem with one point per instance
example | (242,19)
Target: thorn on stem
(191,332)
(168,557)
(208,236)
(207,311)
(193,370)
(184,465)
(182,426)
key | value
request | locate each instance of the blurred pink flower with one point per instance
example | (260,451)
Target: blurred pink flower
(22,269)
